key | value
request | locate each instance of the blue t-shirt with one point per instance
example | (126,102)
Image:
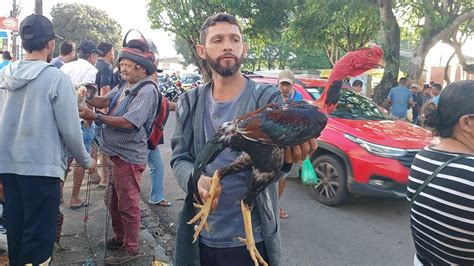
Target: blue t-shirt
(58,62)
(226,222)
(399,97)
(436,99)
(297,97)
(4,63)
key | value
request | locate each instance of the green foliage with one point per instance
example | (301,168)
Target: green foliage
(77,22)
(260,20)
(424,19)
(335,24)
(182,48)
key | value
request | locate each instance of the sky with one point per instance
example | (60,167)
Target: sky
(130,14)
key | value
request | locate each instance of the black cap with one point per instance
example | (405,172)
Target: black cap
(87,47)
(36,26)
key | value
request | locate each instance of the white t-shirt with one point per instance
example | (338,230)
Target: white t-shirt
(80,71)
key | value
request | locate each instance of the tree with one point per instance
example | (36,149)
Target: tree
(77,22)
(182,48)
(430,21)
(337,26)
(185,17)
(391,46)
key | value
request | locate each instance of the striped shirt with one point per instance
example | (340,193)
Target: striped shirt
(140,109)
(442,216)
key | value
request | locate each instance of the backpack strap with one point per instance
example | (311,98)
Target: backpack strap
(433,175)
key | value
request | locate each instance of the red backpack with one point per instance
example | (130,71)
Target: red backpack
(158,126)
(162,112)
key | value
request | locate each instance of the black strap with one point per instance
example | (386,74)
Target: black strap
(433,175)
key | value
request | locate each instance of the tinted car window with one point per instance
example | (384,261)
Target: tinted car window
(352,105)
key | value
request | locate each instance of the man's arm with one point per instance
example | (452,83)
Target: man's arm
(67,118)
(181,159)
(389,96)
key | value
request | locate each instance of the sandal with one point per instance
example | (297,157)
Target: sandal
(283,214)
(162,203)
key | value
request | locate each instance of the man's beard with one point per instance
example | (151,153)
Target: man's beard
(225,71)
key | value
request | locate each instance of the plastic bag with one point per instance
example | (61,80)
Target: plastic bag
(308,175)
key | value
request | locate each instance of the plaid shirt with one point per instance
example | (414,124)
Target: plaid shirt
(140,109)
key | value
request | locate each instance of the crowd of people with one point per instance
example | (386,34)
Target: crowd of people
(44,130)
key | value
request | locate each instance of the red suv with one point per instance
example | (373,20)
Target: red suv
(361,151)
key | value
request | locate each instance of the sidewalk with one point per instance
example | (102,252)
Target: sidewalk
(82,245)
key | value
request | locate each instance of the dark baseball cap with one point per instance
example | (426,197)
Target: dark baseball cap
(36,26)
(87,47)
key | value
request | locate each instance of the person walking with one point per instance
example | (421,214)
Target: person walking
(440,184)
(6,59)
(286,79)
(122,136)
(39,118)
(400,99)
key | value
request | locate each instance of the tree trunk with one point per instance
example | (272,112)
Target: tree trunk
(202,65)
(429,40)
(391,45)
(446,69)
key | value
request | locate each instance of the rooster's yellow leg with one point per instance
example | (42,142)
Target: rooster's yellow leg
(205,208)
(249,240)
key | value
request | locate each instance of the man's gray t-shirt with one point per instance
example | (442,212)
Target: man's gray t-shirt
(226,222)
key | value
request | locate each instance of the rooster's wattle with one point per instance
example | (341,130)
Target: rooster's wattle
(261,135)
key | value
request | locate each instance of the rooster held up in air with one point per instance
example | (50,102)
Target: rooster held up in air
(261,135)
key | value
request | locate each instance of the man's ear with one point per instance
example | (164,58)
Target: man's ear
(246,49)
(51,43)
(201,50)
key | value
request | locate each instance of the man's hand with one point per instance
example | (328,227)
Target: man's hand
(204,184)
(298,153)
(87,114)
(90,171)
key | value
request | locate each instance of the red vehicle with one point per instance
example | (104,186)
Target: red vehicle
(361,151)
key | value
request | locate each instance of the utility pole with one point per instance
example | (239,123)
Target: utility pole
(14,13)
(39,7)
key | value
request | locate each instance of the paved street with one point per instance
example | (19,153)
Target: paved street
(365,231)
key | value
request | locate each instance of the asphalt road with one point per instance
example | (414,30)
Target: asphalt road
(364,231)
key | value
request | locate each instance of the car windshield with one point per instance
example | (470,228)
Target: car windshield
(352,105)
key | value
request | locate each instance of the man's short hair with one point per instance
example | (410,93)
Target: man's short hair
(6,55)
(437,86)
(402,80)
(426,86)
(104,48)
(212,20)
(357,83)
(66,47)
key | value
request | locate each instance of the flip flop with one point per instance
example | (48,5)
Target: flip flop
(83,204)
(162,203)
(283,214)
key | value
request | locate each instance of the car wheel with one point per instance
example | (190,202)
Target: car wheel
(331,188)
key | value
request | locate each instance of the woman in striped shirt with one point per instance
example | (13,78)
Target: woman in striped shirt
(442,216)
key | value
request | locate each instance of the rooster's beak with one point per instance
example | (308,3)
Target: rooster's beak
(381,63)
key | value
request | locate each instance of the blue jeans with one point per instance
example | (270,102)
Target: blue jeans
(155,162)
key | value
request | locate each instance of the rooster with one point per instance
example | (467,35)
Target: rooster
(261,135)
(85,90)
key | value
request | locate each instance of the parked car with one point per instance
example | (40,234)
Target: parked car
(361,151)
(188,80)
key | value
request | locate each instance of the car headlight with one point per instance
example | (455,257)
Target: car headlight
(377,149)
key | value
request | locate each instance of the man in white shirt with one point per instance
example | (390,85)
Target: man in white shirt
(82,70)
